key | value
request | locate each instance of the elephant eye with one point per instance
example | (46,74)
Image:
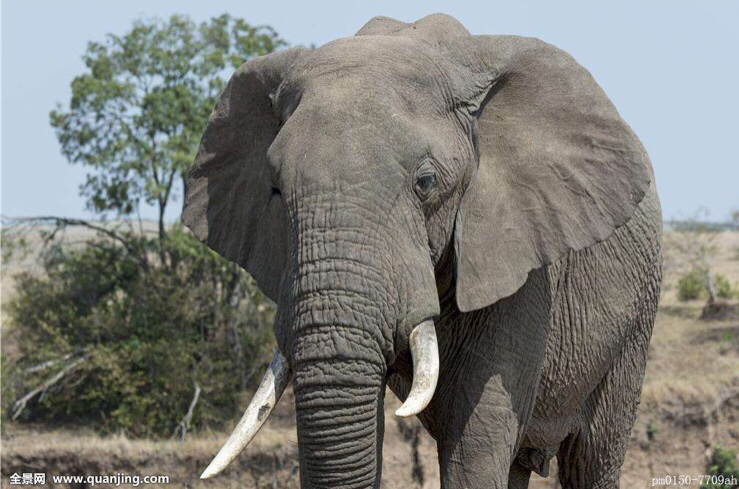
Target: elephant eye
(425,181)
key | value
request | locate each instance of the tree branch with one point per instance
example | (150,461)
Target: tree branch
(44,365)
(184,424)
(20,404)
(67,221)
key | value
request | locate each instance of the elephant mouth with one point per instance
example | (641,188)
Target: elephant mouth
(425,354)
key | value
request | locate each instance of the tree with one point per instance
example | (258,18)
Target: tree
(136,115)
(124,331)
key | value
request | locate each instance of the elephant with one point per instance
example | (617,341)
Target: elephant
(465,219)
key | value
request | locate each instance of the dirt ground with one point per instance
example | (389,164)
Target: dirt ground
(690,403)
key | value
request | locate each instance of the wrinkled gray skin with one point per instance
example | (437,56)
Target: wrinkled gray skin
(534,245)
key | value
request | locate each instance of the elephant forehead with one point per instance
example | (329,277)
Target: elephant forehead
(323,145)
(410,73)
(362,109)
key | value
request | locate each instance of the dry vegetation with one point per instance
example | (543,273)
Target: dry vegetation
(269,462)
(690,402)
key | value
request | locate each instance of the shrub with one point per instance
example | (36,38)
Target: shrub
(691,286)
(723,287)
(722,469)
(133,336)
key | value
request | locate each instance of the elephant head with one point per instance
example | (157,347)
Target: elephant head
(360,181)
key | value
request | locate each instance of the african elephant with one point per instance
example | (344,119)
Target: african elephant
(465,219)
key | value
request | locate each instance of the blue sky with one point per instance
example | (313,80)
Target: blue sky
(671,68)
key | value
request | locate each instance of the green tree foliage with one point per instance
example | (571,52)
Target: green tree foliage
(150,335)
(137,113)
(722,469)
(133,339)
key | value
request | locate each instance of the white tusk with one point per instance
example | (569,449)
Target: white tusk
(273,384)
(425,353)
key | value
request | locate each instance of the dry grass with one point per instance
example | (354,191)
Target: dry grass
(270,461)
(35,443)
(690,361)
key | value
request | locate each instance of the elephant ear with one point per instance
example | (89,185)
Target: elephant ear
(558,170)
(229,202)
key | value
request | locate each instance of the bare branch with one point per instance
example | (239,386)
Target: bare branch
(184,424)
(20,404)
(63,222)
(44,365)
(69,221)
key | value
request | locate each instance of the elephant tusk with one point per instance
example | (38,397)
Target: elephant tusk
(269,392)
(425,353)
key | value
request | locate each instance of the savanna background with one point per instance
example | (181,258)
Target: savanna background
(129,347)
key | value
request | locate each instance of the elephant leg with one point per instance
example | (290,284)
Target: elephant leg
(488,386)
(592,456)
(476,448)
(518,477)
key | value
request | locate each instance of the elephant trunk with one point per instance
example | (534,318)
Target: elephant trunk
(340,345)
(339,405)
(354,288)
